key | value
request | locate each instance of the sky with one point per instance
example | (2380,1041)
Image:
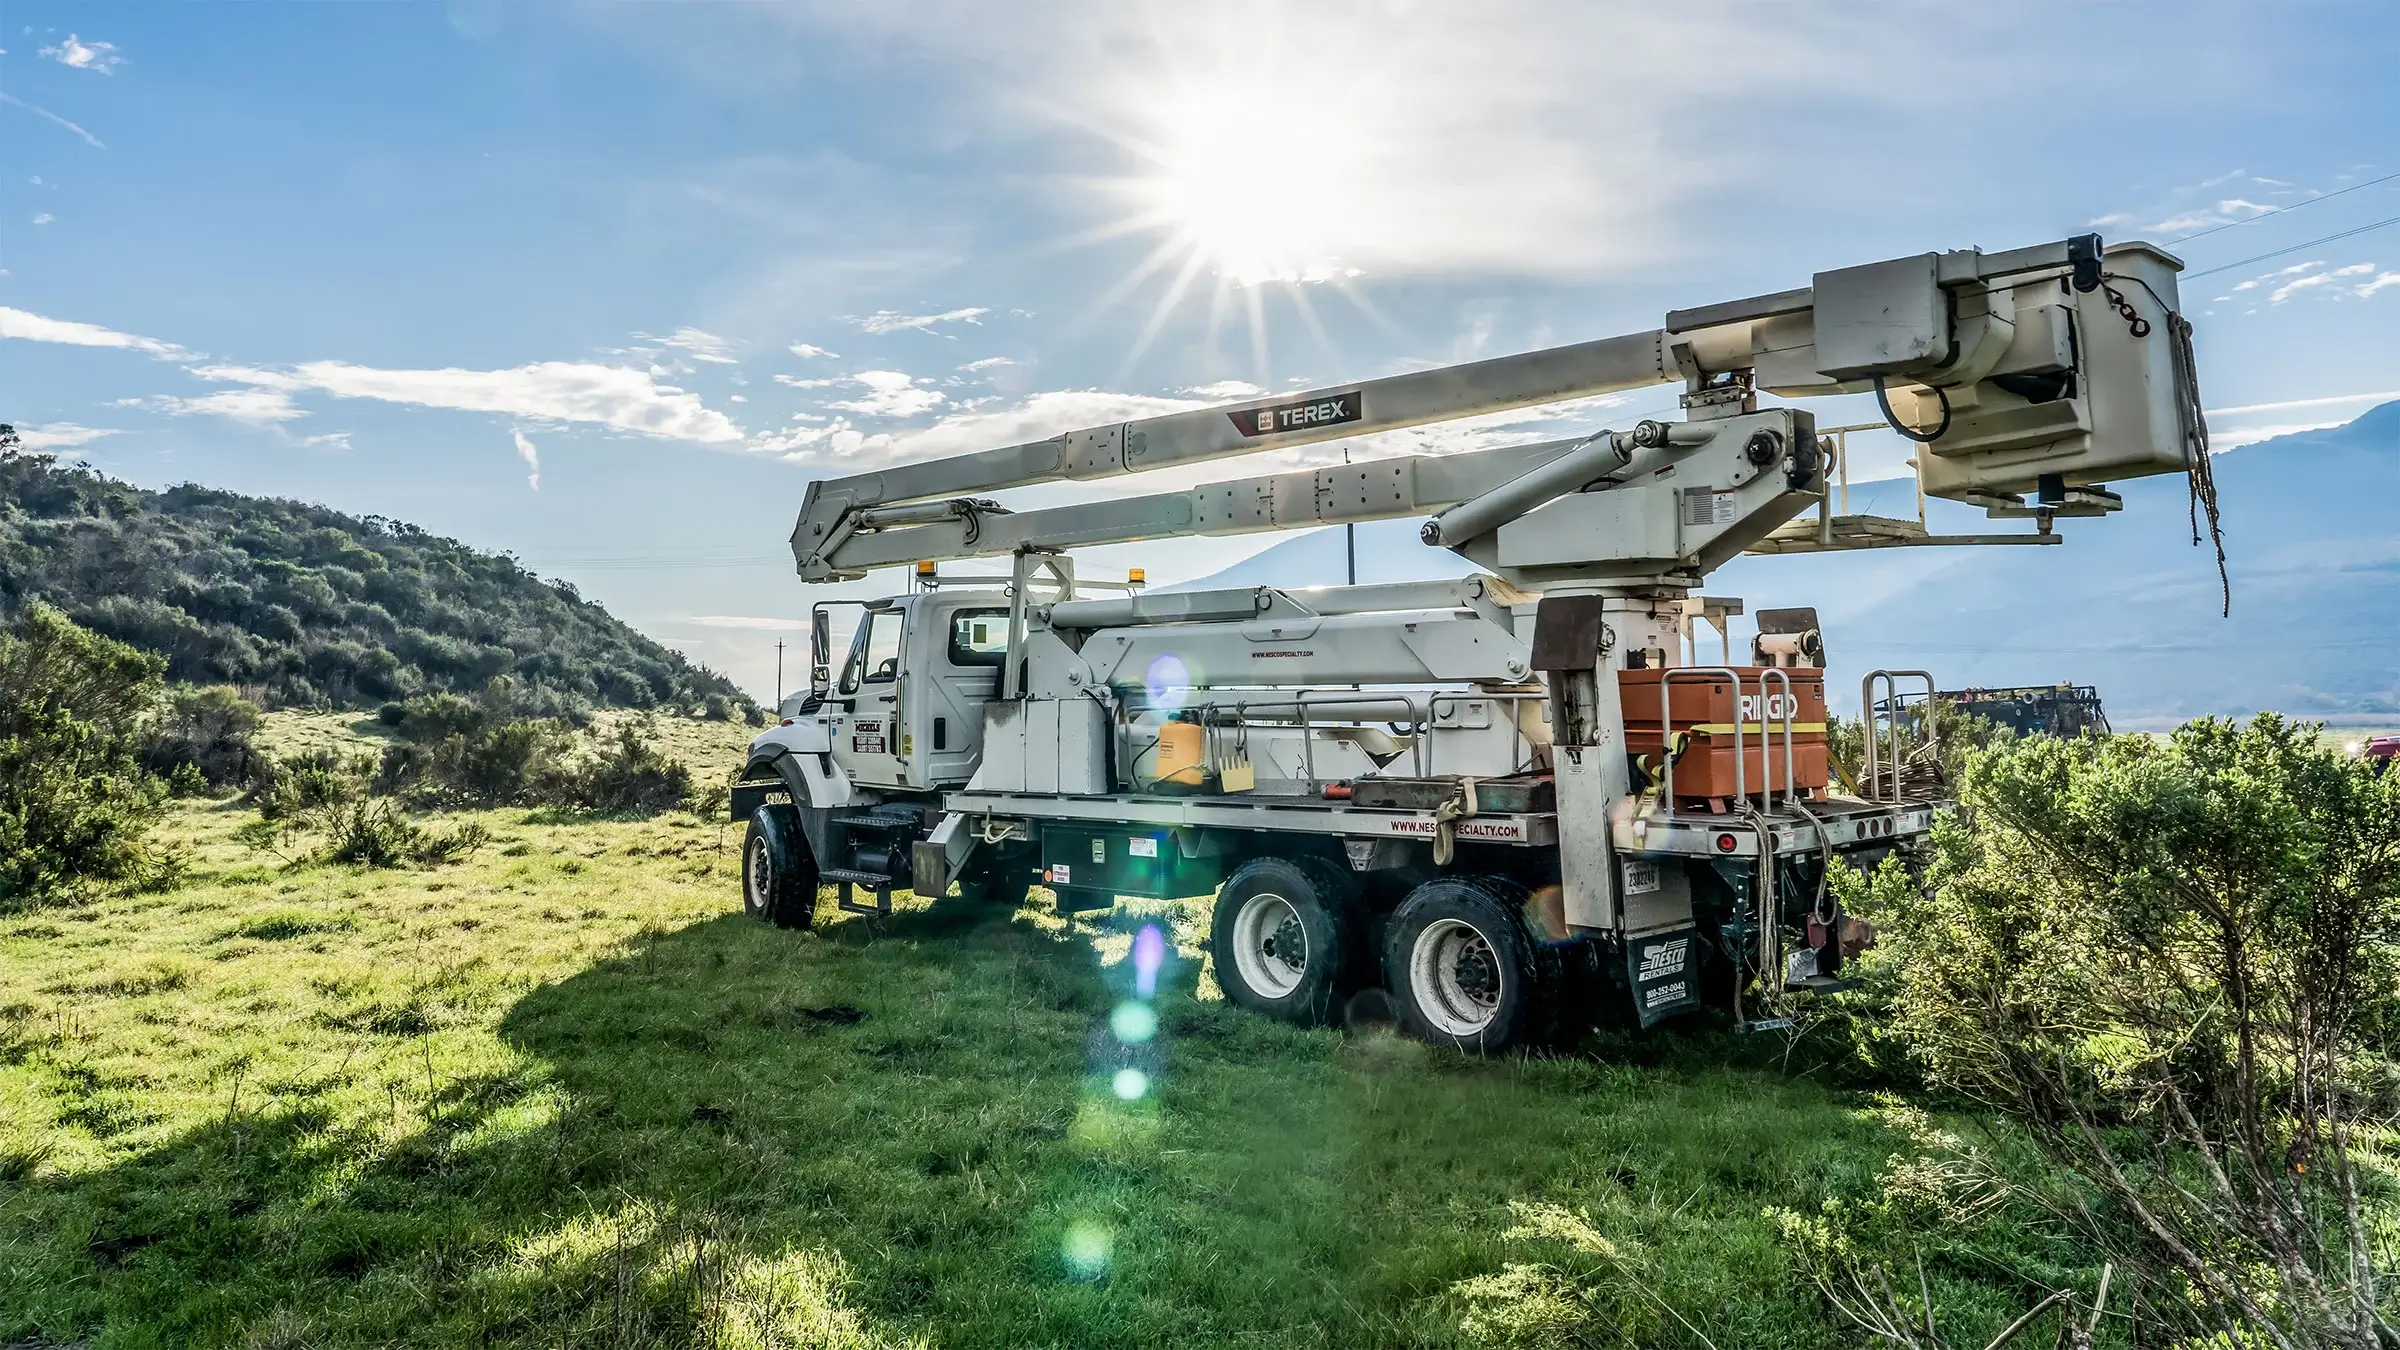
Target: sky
(606,285)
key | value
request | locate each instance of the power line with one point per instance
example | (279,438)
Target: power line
(2327,239)
(2281,210)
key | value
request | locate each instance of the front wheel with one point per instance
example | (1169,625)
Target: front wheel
(779,874)
(1283,936)
(1463,968)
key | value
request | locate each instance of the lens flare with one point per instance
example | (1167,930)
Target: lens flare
(1134,1022)
(1167,681)
(1130,1084)
(1086,1248)
(1149,955)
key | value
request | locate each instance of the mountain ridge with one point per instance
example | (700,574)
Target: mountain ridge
(302,605)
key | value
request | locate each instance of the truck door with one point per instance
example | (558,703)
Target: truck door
(957,666)
(865,741)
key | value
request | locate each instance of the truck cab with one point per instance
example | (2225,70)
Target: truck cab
(904,709)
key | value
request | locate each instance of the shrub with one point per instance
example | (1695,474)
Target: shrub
(2171,962)
(207,731)
(628,773)
(76,804)
(321,807)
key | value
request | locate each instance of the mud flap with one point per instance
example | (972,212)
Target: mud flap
(1662,969)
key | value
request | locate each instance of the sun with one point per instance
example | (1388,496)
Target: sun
(1259,180)
(1254,182)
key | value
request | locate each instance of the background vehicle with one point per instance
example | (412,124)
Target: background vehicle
(2049,710)
(1486,796)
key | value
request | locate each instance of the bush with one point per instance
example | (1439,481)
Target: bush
(321,807)
(208,732)
(76,805)
(486,752)
(2174,963)
(628,773)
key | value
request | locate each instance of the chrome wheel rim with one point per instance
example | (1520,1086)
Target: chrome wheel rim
(1456,978)
(1270,947)
(758,875)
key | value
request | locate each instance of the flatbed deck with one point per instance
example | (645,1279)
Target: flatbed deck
(1840,822)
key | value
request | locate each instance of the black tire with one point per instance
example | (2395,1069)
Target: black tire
(1465,971)
(779,873)
(1268,909)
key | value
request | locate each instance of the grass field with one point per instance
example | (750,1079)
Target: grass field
(563,1094)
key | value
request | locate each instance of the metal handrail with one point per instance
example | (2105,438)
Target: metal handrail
(1875,736)
(1791,781)
(1666,728)
(1516,724)
(1420,713)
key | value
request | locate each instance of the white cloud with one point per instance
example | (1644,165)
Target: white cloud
(2294,287)
(1307,131)
(1223,389)
(890,321)
(700,345)
(30,327)
(60,435)
(532,458)
(809,351)
(2231,440)
(1036,418)
(2381,283)
(2305,403)
(796,382)
(988,363)
(745,621)
(890,393)
(43,217)
(2112,218)
(98,57)
(49,116)
(249,407)
(2224,213)
(545,391)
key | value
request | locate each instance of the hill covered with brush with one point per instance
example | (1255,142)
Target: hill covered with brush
(299,605)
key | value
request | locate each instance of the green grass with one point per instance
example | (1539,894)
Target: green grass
(563,1094)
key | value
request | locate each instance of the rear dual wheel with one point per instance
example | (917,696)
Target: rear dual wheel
(1287,937)
(1464,969)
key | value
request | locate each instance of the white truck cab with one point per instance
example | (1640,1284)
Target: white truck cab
(905,710)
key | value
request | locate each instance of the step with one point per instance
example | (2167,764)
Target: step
(868,820)
(847,881)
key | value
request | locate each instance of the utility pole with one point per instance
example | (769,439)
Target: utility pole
(779,674)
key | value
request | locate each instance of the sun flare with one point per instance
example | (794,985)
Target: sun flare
(1260,180)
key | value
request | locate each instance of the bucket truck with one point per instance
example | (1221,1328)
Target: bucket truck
(1497,798)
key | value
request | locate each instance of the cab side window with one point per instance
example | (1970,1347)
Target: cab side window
(875,654)
(979,637)
(883,646)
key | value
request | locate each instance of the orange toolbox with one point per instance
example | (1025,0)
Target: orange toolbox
(1701,706)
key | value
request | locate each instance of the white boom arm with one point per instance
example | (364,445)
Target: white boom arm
(2034,369)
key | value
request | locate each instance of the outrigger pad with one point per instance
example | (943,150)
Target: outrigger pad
(1566,632)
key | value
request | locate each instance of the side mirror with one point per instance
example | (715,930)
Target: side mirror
(820,651)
